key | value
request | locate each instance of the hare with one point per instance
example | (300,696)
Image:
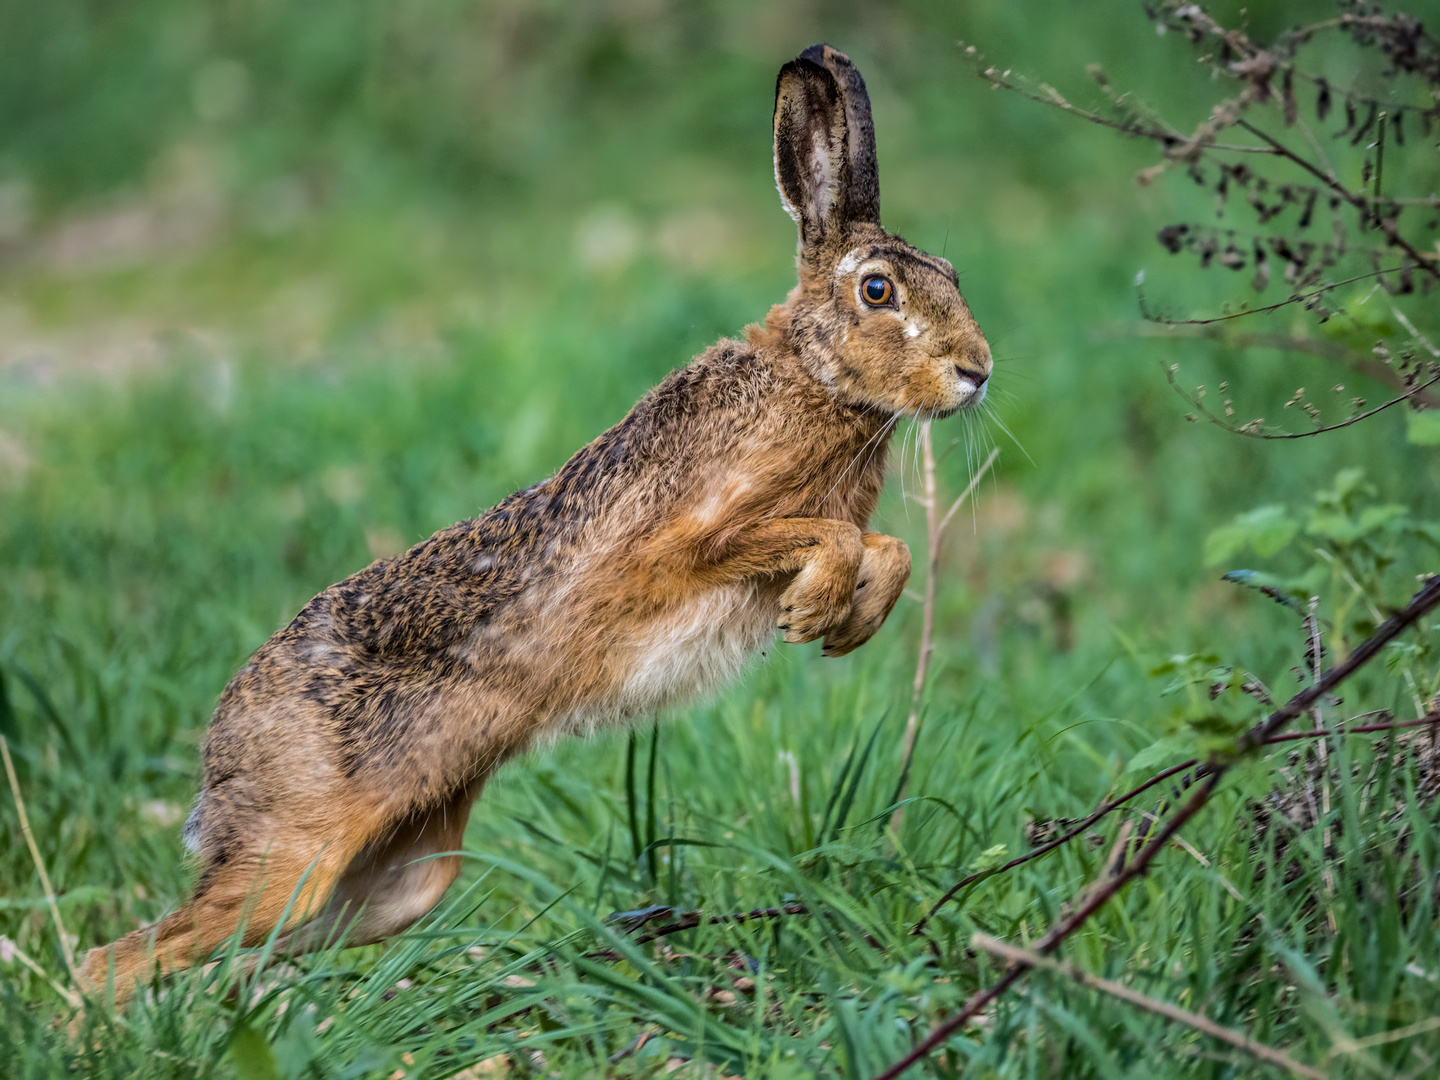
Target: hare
(342,761)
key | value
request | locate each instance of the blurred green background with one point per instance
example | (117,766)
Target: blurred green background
(284,288)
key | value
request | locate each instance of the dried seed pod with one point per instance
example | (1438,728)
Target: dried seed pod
(1367,125)
(1262,268)
(1172,238)
(1309,210)
(1207,247)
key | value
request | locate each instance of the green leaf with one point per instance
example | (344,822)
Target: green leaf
(1223,544)
(1429,530)
(1423,428)
(1350,482)
(1281,590)
(251,1054)
(1216,726)
(991,857)
(1376,517)
(1162,753)
(1267,529)
(1333,526)
(1185,662)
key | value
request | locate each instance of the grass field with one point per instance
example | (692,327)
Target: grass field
(283,291)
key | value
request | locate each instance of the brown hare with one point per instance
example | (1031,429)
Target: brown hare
(732,500)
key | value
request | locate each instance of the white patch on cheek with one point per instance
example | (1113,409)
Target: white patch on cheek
(914,326)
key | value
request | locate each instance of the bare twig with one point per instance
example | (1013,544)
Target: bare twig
(65,949)
(9,948)
(1414,333)
(1253,430)
(1430,719)
(1326,350)
(1294,298)
(1429,263)
(1237,1039)
(1101,893)
(1409,1031)
(1049,846)
(688,920)
(935,525)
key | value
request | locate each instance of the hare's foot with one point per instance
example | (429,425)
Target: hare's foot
(820,596)
(884,570)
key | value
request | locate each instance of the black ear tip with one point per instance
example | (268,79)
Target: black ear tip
(809,73)
(825,55)
(801,65)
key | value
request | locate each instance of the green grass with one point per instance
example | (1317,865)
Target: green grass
(388,317)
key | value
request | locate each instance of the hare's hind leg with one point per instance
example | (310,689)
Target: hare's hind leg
(884,570)
(393,881)
(255,890)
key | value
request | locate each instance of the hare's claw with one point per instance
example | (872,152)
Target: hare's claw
(812,606)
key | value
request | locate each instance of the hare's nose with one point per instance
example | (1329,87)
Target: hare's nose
(975,376)
(970,354)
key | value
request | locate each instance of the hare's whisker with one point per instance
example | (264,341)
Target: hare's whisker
(873,438)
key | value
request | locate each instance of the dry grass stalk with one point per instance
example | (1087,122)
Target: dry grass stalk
(65,949)
(935,526)
(9,950)
(1237,1039)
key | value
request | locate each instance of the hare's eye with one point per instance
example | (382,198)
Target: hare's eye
(877,290)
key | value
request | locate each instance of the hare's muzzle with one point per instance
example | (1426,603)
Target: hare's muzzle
(972,371)
(971,385)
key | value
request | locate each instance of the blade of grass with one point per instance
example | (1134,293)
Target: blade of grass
(848,799)
(651,857)
(630,799)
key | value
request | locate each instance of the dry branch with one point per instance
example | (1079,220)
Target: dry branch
(1046,848)
(1430,719)
(1359,363)
(1254,430)
(1100,892)
(1237,1039)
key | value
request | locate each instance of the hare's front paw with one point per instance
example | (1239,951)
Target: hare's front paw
(817,600)
(883,573)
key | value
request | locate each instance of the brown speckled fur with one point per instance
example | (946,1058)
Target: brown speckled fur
(731,500)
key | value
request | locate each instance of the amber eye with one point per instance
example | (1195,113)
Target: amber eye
(877,290)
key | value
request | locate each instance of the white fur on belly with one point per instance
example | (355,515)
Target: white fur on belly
(690,651)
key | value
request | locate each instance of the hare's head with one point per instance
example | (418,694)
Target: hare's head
(882,323)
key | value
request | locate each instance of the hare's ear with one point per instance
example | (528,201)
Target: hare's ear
(824,145)
(862,199)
